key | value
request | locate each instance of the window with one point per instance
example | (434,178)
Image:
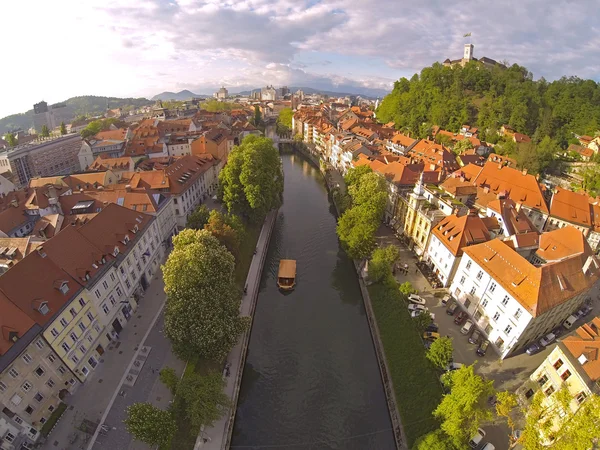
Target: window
(472,291)
(64,322)
(29,409)
(27,358)
(479,275)
(492,287)
(119,292)
(484,302)
(73,312)
(65,347)
(549,391)
(51,357)
(81,326)
(38,397)
(53,332)
(40,344)
(13,372)
(566,374)
(90,316)
(97,293)
(105,309)
(105,284)
(468,265)
(558,364)
(507,330)
(50,383)
(496,317)
(462,280)
(40,371)
(2,387)
(82,301)
(581,397)
(505,300)
(26,386)
(62,370)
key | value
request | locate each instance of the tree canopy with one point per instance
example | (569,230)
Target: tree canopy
(490,98)
(202,310)
(151,425)
(251,183)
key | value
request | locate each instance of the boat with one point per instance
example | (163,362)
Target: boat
(286,278)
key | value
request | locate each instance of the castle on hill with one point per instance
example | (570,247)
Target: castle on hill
(468,56)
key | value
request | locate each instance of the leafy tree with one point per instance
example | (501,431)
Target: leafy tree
(45,131)
(440,352)
(251,183)
(11,139)
(63,129)
(228,236)
(169,378)
(380,265)
(407,288)
(202,310)
(197,219)
(436,440)
(203,398)
(465,407)
(151,425)
(284,121)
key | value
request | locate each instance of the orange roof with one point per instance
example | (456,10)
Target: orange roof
(538,288)
(584,345)
(571,207)
(458,232)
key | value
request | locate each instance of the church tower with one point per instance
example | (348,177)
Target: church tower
(468,55)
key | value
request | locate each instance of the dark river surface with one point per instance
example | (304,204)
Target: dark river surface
(311,379)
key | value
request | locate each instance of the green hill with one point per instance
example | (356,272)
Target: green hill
(490,98)
(83,105)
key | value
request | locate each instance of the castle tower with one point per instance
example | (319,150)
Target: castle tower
(468,55)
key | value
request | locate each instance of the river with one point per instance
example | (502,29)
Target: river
(311,379)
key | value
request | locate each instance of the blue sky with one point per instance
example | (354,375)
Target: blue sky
(143,47)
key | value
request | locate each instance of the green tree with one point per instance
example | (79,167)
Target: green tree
(440,352)
(228,236)
(284,121)
(436,440)
(63,129)
(45,131)
(202,310)
(11,140)
(251,183)
(169,378)
(197,219)
(407,288)
(203,398)
(151,425)
(465,407)
(380,265)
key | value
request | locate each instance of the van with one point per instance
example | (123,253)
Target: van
(569,321)
(467,327)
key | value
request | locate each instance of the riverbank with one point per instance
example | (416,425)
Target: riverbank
(218,436)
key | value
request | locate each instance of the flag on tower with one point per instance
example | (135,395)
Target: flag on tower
(467,35)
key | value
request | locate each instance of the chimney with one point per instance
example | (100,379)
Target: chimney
(524,171)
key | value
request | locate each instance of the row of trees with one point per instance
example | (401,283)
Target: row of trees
(490,98)
(365,206)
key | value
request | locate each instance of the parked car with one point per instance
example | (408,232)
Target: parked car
(477,439)
(431,335)
(453,366)
(414,307)
(483,348)
(475,337)
(533,349)
(467,327)
(547,340)
(460,318)
(446,299)
(414,298)
(452,308)
(418,312)
(432,327)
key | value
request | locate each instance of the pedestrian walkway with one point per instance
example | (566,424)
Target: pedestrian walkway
(217,436)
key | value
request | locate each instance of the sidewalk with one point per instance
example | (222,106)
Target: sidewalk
(217,436)
(91,398)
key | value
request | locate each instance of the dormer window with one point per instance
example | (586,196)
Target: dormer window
(115,251)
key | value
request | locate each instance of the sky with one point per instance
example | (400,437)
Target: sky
(62,48)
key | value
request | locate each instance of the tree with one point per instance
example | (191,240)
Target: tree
(197,219)
(354,174)
(169,378)
(440,352)
(380,265)
(202,310)
(465,407)
(151,425)
(436,440)
(11,140)
(203,398)
(63,129)
(251,183)
(45,131)
(407,288)
(227,235)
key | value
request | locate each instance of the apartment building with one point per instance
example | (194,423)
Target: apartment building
(517,296)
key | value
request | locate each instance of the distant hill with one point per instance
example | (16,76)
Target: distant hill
(179,96)
(82,105)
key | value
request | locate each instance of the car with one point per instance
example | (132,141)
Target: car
(431,335)
(452,308)
(413,307)
(453,366)
(418,312)
(446,299)
(414,298)
(547,340)
(432,327)
(460,318)
(477,439)
(483,348)
(533,349)
(475,337)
